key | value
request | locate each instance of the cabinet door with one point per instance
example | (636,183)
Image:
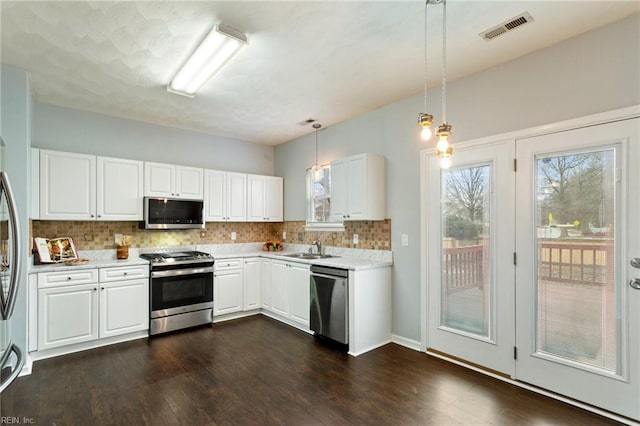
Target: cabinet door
(67,186)
(124,307)
(357,187)
(67,315)
(236,197)
(279,290)
(251,284)
(215,195)
(265,283)
(339,186)
(159,180)
(273,199)
(189,182)
(227,291)
(298,277)
(255,198)
(119,189)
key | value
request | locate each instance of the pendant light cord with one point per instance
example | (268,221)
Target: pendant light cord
(444,62)
(425,55)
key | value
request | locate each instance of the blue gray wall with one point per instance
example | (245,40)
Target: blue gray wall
(15,129)
(594,72)
(65,129)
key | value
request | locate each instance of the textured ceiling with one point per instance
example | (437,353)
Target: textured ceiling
(326,60)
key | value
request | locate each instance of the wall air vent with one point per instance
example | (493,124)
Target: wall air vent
(503,28)
(306,122)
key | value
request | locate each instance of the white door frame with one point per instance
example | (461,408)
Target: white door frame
(427,153)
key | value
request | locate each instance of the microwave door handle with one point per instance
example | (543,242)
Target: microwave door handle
(16,370)
(7,303)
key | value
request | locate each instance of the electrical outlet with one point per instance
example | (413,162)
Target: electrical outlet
(284,235)
(355,239)
(233,236)
(405,240)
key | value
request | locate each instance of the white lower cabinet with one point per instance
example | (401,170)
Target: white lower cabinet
(124,307)
(227,287)
(265,283)
(251,284)
(84,305)
(290,290)
(67,315)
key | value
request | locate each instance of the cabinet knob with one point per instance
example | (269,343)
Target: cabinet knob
(95,289)
(126,273)
(92,215)
(68,278)
(102,288)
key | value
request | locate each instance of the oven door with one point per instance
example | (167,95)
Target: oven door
(177,291)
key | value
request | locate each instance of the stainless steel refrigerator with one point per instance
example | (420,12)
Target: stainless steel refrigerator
(11,358)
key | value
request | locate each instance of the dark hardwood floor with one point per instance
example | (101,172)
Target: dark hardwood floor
(256,371)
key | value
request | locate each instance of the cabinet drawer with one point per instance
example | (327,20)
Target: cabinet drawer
(120,273)
(57,279)
(225,264)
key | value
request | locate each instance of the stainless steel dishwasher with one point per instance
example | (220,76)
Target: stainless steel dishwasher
(329,308)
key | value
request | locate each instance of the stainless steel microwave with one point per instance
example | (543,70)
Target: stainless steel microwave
(173,213)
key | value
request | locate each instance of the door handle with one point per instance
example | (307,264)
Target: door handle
(635,262)
(635,283)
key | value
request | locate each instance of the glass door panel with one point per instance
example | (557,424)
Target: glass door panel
(575,239)
(465,233)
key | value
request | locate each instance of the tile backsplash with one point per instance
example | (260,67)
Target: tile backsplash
(96,235)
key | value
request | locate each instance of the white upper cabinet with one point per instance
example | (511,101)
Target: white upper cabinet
(67,186)
(171,181)
(119,184)
(225,196)
(264,198)
(358,188)
(86,187)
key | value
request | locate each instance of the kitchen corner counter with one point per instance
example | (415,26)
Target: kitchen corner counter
(352,259)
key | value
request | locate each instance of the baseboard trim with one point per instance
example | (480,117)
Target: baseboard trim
(540,391)
(407,343)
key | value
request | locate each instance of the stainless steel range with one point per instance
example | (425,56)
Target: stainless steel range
(181,290)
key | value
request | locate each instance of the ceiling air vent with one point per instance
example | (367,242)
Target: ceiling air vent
(506,26)
(306,122)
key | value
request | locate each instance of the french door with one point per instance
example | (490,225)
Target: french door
(529,271)
(578,227)
(471,226)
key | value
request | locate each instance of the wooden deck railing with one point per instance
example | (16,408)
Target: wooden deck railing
(463,267)
(570,262)
(576,262)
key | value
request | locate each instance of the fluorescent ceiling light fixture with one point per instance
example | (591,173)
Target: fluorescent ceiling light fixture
(222,43)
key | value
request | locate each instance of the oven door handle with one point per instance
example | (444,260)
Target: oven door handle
(178,272)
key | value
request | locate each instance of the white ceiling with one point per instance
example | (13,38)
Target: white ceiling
(326,60)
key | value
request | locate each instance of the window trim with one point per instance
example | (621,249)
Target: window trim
(317,226)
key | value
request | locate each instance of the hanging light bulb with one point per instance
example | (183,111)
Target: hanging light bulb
(425,120)
(317,171)
(444,149)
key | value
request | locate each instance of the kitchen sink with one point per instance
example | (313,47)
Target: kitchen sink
(309,256)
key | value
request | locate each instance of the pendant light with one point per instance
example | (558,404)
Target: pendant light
(444,149)
(425,120)
(316,167)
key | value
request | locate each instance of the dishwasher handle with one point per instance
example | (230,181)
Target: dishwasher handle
(333,272)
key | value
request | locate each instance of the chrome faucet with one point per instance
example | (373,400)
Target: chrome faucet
(318,245)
